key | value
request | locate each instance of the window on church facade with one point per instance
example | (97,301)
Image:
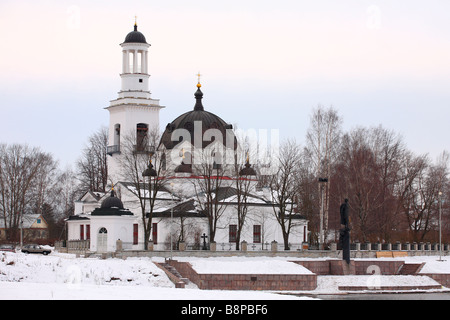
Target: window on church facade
(117,134)
(135,233)
(256,233)
(232,233)
(141,137)
(155,233)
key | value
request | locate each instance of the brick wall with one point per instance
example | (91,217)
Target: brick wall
(246,281)
(387,267)
(320,267)
(442,278)
(333,267)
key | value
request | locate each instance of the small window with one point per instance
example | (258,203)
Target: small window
(232,233)
(256,233)
(38,220)
(140,80)
(155,233)
(135,233)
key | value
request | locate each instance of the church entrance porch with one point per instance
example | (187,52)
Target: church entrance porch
(102,240)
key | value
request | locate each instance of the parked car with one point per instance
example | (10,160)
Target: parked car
(8,247)
(35,248)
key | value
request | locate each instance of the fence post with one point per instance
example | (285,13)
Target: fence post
(274,246)
(119,245)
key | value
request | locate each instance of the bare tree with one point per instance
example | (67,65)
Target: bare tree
(420,196)
(20,166)
(142,167)
(211,170)
(243,176)
(92,168)
(323,138)
(283,188)
(371,171)
(359,180)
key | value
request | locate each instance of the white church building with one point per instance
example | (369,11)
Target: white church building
(205,191)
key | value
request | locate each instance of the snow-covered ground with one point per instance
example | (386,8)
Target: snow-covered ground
(63,276)
(243,265)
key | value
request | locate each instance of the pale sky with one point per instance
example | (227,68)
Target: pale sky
(265,65)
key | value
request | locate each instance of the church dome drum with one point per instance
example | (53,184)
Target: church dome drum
(112,202)
(135,37)
(111,206)
(208,121)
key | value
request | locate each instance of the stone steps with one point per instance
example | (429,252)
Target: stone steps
(173,275)
(410,268)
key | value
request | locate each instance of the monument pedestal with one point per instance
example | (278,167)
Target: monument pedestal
(342,268)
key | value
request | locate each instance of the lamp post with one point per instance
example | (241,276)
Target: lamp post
(440,226)
(322,182)
(150,173)
(171,223)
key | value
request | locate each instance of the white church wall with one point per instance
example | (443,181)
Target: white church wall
(193,228)
(118,227)
(262,216)
(73,229)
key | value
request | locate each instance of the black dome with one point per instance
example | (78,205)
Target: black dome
(135,37)
(186,121)
(112,202)
(247,171)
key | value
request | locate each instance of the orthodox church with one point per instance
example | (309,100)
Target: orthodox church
(189,188)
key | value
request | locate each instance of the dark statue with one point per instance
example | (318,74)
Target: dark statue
(344,232)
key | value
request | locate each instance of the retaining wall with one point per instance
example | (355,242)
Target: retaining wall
(246,281)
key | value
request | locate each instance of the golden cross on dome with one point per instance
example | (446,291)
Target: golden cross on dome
(199,75)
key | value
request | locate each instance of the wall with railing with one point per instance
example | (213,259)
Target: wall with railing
(358,249)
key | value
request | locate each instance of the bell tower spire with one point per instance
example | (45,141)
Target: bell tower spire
(135,74)
(134,112)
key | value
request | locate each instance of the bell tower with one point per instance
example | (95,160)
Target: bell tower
(135,66)
(134,114)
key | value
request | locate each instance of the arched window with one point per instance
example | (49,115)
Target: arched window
(117,134)
(141,137)
(102,240)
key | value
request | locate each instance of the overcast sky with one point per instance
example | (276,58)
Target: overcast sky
(265,65)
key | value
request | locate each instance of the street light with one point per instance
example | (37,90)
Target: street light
(440,226)
(322,181)
(171,222)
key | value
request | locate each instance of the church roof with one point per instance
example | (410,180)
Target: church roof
(111,206)
(112,202)
(247,171)
(187,121)
(135,36)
